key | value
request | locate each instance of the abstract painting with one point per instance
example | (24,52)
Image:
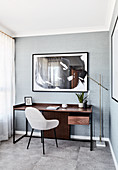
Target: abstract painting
(59,72)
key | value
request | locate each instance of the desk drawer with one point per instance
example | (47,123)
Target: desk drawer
(78,120)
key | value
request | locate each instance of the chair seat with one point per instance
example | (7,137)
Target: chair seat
(51,124)
(45,125)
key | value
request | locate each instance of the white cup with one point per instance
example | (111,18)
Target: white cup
(64,105)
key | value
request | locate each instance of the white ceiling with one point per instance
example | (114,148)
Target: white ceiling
(44,17)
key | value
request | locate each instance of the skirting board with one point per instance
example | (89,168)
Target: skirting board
(113,155)
(81,138)
(29,133)
(87,138)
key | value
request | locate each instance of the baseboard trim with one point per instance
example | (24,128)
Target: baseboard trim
(80,138)
(113,155)
(29,133)
(87,138)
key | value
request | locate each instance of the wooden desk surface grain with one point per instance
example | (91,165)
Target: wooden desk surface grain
(43,107)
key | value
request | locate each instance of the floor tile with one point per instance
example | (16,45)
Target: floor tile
(70,155)
(51,163)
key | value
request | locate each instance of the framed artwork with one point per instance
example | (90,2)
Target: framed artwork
(59,72)
(114,62)
(28,100)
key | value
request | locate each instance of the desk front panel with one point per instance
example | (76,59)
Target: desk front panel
(63,130)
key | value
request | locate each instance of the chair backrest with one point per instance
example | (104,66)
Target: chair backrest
(34,115)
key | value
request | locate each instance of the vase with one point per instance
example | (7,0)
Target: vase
(80,105)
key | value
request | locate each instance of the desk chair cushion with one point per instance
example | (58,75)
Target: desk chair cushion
(37,120)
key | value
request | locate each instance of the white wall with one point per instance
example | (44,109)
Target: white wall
(113,128)
(94,43)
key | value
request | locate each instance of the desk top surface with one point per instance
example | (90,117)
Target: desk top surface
(43,107)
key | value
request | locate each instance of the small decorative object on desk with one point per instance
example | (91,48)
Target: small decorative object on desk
(64,106)
(85,104)
(28,100)
(82,100)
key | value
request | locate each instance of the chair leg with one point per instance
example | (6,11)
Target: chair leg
(42,141)
(55,137)
(30,138)
(41,138)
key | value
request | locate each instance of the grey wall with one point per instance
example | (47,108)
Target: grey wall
(97,44)
(113,105)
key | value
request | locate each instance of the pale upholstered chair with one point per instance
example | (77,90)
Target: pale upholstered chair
(38,122)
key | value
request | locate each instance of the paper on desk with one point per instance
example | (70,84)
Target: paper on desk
(53,107)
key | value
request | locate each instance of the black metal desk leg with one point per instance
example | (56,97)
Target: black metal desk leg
(26,126)
(13,126)
(91,134)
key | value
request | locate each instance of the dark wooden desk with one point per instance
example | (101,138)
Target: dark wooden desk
(72,115)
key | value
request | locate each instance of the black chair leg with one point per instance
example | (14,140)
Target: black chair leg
(30,138)
(42,141)
(55,137)
(41,137)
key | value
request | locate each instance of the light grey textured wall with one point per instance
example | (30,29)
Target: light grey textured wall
(96,44)
(113,104)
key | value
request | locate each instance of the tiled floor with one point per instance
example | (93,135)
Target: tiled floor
(70,155)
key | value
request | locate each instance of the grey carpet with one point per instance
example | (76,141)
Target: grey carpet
(70,155)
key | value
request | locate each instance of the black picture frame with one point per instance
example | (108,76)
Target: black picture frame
(28,100)
(114,56)
(82,55)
